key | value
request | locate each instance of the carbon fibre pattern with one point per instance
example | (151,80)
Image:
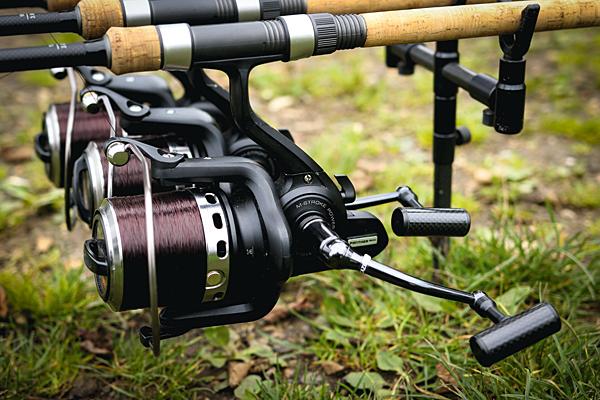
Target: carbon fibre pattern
(431,222)
(514,334)
(42,57)
(26,22)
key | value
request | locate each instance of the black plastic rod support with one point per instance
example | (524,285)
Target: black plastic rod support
(481,87)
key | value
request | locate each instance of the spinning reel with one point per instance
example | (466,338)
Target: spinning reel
(218,250)
(51,142)
(186,131)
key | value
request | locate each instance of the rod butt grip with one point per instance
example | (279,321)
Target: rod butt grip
(98,16)
(514,334)
(134,49)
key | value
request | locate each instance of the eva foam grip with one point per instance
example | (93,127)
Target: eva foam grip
(357,7)
(134,49)
(431,222)
(61,5)
(98,16)
(450,23)
(513,334)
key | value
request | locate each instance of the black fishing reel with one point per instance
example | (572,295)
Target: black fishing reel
(305,222)
(178,130)
(50,144)
(223,246)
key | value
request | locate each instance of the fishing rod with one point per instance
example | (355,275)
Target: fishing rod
(92,18)
(179,46)
(50,5)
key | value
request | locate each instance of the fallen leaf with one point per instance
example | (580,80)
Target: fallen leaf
(98,342)
(289,373)
(90,347)
(73,263)
(237,372)
(483,176)
(362,180)
(217,335)
(387,361)
(302,303)
(429,304)
(280,103)
(85,387)
(372,165)
(43,244)
(3,303)
(365,380)
(445,375)
(248,387)
(514,297)
(278,313)
(16,155)
(331,367)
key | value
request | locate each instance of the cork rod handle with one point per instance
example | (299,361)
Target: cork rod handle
(61,5)
(98,16)
(134,49)
(449,23)
(367,6)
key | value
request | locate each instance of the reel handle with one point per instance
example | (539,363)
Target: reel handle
(431,222)
(513,334)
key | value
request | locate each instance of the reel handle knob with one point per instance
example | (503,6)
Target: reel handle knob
(431,222)
(513,334)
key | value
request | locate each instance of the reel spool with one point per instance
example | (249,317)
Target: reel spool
(203,256)
(90,176)
(50,144)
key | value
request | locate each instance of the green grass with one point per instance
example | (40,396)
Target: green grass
(38,78)
(364,325)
